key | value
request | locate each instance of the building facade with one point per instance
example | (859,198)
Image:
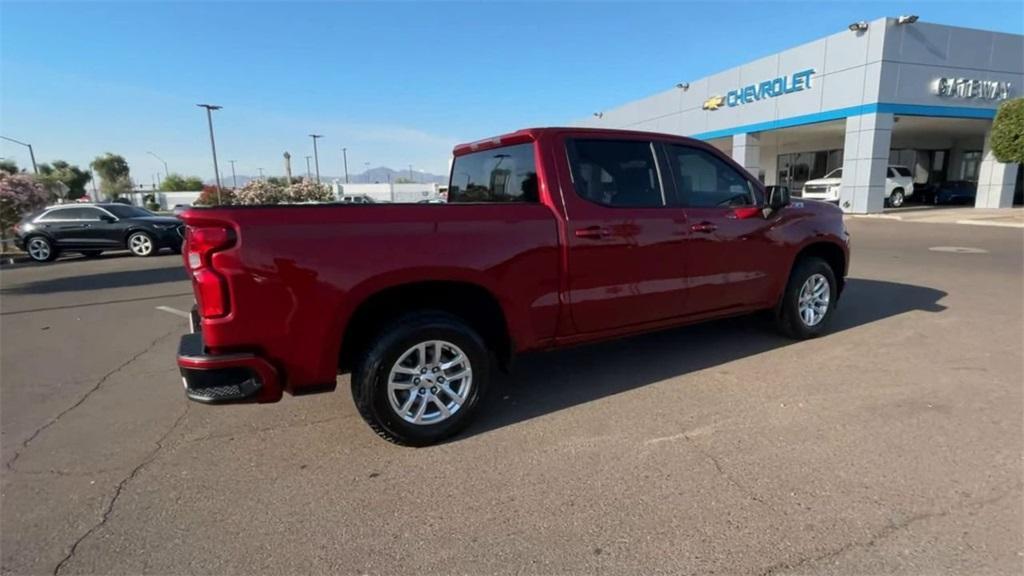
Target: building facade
(887,92)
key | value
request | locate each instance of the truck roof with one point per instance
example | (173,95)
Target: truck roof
(529,134)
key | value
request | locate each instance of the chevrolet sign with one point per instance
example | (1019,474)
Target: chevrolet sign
(771,88)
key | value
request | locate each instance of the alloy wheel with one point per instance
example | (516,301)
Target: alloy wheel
(140,245)
(39,249)
(813,300)
(430,382)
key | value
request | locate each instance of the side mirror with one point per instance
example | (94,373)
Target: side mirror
(778,197)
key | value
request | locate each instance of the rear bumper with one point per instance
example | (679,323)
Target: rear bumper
(225,378)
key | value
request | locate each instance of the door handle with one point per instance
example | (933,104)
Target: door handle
(593,232)
(705,227)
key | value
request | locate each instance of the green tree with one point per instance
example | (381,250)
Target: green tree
(60,172)
(115,176)
(1007,139)
(178,183)
(8,167)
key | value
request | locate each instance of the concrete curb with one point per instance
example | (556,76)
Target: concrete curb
(990,223)
(877,216)
(13,259)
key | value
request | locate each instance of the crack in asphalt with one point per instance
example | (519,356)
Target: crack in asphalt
(120,489)
(885,532)
(728,477)
(99,383)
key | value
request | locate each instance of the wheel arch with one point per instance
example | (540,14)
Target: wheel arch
(833,255)
(471,302)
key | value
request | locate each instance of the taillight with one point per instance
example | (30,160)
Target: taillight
(211,288)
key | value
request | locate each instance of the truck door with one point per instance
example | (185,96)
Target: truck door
(626,257)
(729,257)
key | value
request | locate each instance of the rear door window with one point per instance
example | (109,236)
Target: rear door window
(901,171)
(506,174)
(616,173)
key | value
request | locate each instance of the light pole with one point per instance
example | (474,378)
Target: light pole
(261,173)
(316,156)
(213,145)
(166,171)
(308,174)
(31,153)
(411,179)
(344,159)
(234,180)
(367,172)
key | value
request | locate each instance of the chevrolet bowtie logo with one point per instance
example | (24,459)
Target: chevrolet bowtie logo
(713,103)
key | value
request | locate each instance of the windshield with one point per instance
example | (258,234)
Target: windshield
(837,173)
(123,211)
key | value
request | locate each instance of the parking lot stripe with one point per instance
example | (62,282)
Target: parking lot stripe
(174,311)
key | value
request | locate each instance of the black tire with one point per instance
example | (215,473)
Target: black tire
(372,370)
(92,253)
(153,250)
(788,318)
(51,251)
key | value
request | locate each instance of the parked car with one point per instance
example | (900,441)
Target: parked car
(550,237)
(899,185)
(952,192)
(357,199)
(93,228)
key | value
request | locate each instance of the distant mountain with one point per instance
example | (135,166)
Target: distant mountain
(381,174)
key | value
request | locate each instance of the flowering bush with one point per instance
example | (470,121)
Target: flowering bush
(20,194)
(307,191)
(259,192)
(208,197)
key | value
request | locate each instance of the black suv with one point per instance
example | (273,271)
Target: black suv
(93,228)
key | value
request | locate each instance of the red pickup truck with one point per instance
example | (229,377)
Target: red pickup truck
(550,237)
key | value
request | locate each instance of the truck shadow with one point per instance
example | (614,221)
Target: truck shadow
(174,271)
(552,381)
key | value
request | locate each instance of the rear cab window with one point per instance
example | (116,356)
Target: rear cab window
(616,173)
(497,175)
(900,171)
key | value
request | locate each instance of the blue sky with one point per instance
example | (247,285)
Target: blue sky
(396,83)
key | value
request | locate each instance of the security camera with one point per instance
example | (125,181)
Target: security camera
(858,26)
(598,114)
(907,19)
(683,86)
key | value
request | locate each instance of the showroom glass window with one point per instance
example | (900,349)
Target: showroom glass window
(507,174)
(706,181)
(616,173)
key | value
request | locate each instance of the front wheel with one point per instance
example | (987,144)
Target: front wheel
(141,244)
(809,299)
(422,379)
(896,198)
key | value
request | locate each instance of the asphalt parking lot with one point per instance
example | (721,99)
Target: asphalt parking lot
(891,446)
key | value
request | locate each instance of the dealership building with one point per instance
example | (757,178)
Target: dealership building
(893,91)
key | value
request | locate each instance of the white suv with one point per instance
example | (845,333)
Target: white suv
(899,184)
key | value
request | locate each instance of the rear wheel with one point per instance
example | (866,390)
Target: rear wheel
(141,244)
(40,249)
(809,299)
(422,379)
